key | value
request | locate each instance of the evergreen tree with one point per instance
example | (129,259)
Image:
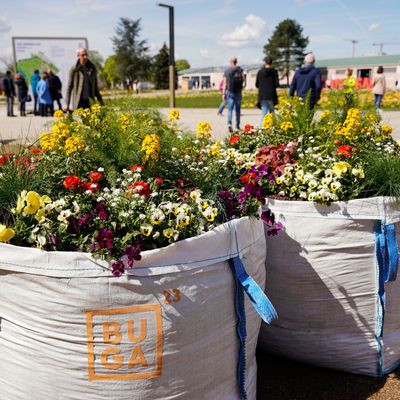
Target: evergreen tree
(131,55)
(286,46)
(161,68)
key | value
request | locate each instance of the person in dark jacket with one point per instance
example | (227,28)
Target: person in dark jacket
(267,82)
(307,79)
(9,91)
(55,86)
(35,78)
(22,93)
(82,85)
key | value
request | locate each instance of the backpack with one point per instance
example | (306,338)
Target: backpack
(236,80)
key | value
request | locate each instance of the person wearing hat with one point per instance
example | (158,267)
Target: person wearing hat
(267,82)
(307,79)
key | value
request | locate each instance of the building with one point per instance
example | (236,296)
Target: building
(333,72)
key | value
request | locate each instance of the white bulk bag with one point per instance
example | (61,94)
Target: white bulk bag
(335,309)
(166,330)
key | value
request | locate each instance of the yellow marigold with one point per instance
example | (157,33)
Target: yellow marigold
(6,234)
(340,168)
(173,115)
(49,141)
(268,121)
(73,144)
(386,129)
(59,114)
(151,147)
(203,130)
(344,131)
(215,149)
(286,125)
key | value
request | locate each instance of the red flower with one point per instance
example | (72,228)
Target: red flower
(4,158)
(35,150)
(234,139)
(248,128)
(159,181)
(248,178)
(344,150)
(96,176)
(141,188)
(72,182)
(137,168)
(92,186)
(23,161)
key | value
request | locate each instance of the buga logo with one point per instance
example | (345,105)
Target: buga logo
(124,343)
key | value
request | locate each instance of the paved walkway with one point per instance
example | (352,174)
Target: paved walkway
(27,129)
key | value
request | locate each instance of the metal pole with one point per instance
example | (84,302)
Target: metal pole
(171,55)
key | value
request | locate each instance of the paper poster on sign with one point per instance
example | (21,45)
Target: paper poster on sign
(46,53)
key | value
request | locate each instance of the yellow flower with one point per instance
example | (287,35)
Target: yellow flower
(32,201)
(146,229)
(335,186)
(268,121)
(168,233)
(387,129)
(59,114)
(6,234)
(203,130)
(49,141)
(358,172)
(151,147)
(60,129)
(340,168)
(325,114)
(173,115)
(73,144)
(215,149)
(286,125)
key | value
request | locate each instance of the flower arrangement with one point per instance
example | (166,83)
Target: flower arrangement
(337,156)
(122,183)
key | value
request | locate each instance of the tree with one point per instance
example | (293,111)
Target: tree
(131,55)
(161,68)
(182,64)
(286,46)
(97,59)
(111,73)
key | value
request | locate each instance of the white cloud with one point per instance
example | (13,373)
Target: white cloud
(374,27)
(245,34)
(4,24)
(204,53)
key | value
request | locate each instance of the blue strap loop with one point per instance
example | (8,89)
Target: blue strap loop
(387,256)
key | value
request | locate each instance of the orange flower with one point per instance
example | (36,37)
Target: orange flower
(248,178)
(344,150)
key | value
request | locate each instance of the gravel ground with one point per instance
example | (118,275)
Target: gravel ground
(282,379)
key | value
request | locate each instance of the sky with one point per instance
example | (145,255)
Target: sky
(209,32)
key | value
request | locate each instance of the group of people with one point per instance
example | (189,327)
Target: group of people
(306,83)
(47,89)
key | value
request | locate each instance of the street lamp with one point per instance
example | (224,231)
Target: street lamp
(171,55)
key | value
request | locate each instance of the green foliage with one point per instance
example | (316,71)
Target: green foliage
(182,65)
(97,59)
(161,68)
(110,71)
(131,54)
(286,46)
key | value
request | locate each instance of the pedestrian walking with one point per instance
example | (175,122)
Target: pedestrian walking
(22,89)
(82,84)
(233,86)
(35,78)
(223,102)
(44,96)
(379,87)
(55,87)
(9,91)
(267,82)
(307,81)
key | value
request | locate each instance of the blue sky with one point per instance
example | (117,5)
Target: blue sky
(209,32)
